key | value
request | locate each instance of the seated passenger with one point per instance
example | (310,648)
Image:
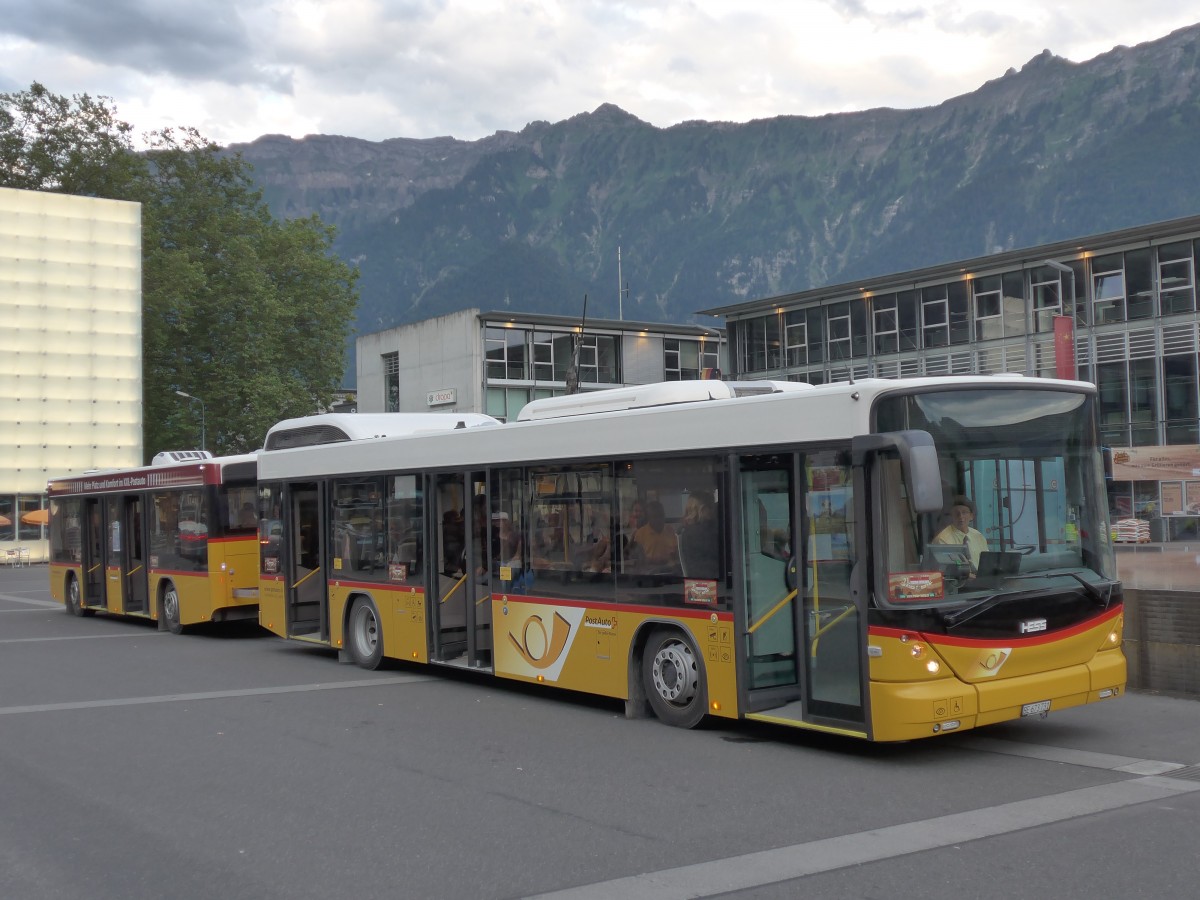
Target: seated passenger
(594,553)
(654,546)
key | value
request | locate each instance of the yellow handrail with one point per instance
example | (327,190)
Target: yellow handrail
(774,609)
(450,593)
(824,628)
(306,577)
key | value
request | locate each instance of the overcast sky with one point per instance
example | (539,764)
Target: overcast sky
(375,69)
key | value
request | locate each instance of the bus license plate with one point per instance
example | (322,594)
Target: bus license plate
(1036,709)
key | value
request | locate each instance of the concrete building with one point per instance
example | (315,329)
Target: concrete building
(495,363)
(70,349)
(1117,309)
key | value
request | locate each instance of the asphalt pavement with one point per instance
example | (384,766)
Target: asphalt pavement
(228,763)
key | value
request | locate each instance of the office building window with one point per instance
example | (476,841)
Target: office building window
(1179,399)
(1177,292)
(507,356)
(935,317)
(1139,283)
(887,323)
(907,319)
(1113,388)
(989,311)
(1045,288)
(1143,402)
(1108,289)
(847,329)
(391,382)
(795,336)
(760,342)
(687,360)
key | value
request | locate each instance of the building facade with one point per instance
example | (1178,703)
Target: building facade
(70,348)
(495,363)
(1116,309)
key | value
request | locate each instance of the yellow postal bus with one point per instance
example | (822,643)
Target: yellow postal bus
(176,542)
(769,551)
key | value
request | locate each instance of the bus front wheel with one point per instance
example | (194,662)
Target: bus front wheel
(170,609)
(75,605)
(364,636)
(674,679)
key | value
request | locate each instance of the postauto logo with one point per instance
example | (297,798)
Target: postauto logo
(545,650)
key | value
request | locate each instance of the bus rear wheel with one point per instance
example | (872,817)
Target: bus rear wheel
(75,605)
(364,635)
(674,679)
(170,609)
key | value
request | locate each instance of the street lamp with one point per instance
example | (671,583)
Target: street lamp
(201,402)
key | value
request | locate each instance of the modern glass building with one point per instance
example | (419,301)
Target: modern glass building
(1117,309)
(496,362)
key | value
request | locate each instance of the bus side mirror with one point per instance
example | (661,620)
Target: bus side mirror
(918,462)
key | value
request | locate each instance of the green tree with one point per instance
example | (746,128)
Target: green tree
(247,313)
(70,146)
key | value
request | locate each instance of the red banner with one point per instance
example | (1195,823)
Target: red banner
(1064,347)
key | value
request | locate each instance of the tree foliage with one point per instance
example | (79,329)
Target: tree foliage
(247,313)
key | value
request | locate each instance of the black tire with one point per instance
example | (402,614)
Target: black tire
(74,602)
(170,609)
(364,634)
(673,677)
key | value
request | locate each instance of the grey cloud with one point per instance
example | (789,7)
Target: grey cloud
(186,38)
(859,9)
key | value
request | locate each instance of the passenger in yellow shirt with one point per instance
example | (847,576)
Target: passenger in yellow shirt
(654,543)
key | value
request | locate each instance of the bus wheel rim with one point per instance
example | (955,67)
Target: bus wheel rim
(674,673)
(171,605)
(366,632)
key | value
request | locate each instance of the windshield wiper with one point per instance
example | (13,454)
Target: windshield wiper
(954,619)
(1102,598)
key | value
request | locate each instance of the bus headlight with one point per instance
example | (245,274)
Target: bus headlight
(918,650)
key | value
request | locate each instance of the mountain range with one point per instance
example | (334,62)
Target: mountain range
(713,213)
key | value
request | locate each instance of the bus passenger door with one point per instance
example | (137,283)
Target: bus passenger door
(459,614)
(307,604)
(771,621)
(135,586)
(803,632)
(91,545)
(114,557)
(834,630)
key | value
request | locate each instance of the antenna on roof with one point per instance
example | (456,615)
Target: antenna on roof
(573,369)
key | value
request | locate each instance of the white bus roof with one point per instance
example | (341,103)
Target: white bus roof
(644,395)
(328,428)
(814,413)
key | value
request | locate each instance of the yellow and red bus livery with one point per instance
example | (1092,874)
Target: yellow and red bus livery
(885,559)
(175,542)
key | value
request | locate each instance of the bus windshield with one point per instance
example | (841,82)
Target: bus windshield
(1024,501)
